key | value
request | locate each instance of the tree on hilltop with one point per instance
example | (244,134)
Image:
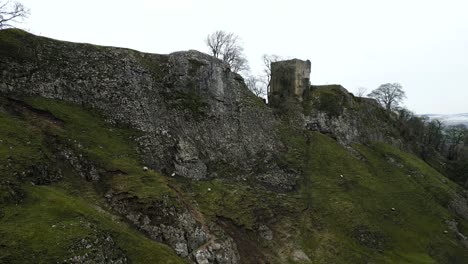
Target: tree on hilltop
(267,60)
(254,84)
(389,95)
(12,13)
(360,91)
(227,47)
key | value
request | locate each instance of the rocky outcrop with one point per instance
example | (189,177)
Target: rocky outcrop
(231,163)
(459,204)
(177,227)
(194,112)
(453,226)
(197,120)
(332,110)
(100,248)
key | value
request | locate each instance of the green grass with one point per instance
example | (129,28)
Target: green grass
(327,98)
(244,205)
(111,148)
(20,148)
(296,153)
(326,218)
(19,140)
(109,145)
(44,227)
(330,212)
(27,213)
(365,196)
(17,44)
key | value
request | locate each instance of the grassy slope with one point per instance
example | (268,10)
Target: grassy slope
(333,219)
(345,219)
(108,147)
(50,221)
(327,215)
(363,200)
(42,225)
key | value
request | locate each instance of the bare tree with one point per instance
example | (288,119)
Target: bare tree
(455,135)
(267,60)
(255,85)
(434,134)
(12,13)
(389,95)
(218,40)
(233,54)
(360,91)
(227,46)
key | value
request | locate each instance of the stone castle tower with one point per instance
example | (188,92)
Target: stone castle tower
(289,79)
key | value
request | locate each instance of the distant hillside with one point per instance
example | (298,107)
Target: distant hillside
(453,119)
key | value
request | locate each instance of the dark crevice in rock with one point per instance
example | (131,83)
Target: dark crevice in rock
(249,249)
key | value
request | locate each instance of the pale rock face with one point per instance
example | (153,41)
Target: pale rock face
(213,253)
(187,162)
(194,115)
(459,204)
(193,112)
(98,249)
(300,256)
(265,232)
(181,249)
(358,120)
(341,127)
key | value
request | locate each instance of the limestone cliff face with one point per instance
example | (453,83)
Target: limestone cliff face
(197,120)
(332,110)
(211,171)
(195,114)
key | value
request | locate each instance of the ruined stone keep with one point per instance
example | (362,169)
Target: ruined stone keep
(289,79)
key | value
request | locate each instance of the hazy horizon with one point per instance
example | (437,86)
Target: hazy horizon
(420,44)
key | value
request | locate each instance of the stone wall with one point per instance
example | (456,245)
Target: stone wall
(289,78)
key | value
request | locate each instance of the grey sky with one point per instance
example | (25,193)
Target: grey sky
(421,44)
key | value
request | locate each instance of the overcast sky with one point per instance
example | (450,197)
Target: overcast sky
(421,44)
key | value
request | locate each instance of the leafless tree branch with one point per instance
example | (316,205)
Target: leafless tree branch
(361,91)
(267,60)
(12,13)
(254,85)
(226,46)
